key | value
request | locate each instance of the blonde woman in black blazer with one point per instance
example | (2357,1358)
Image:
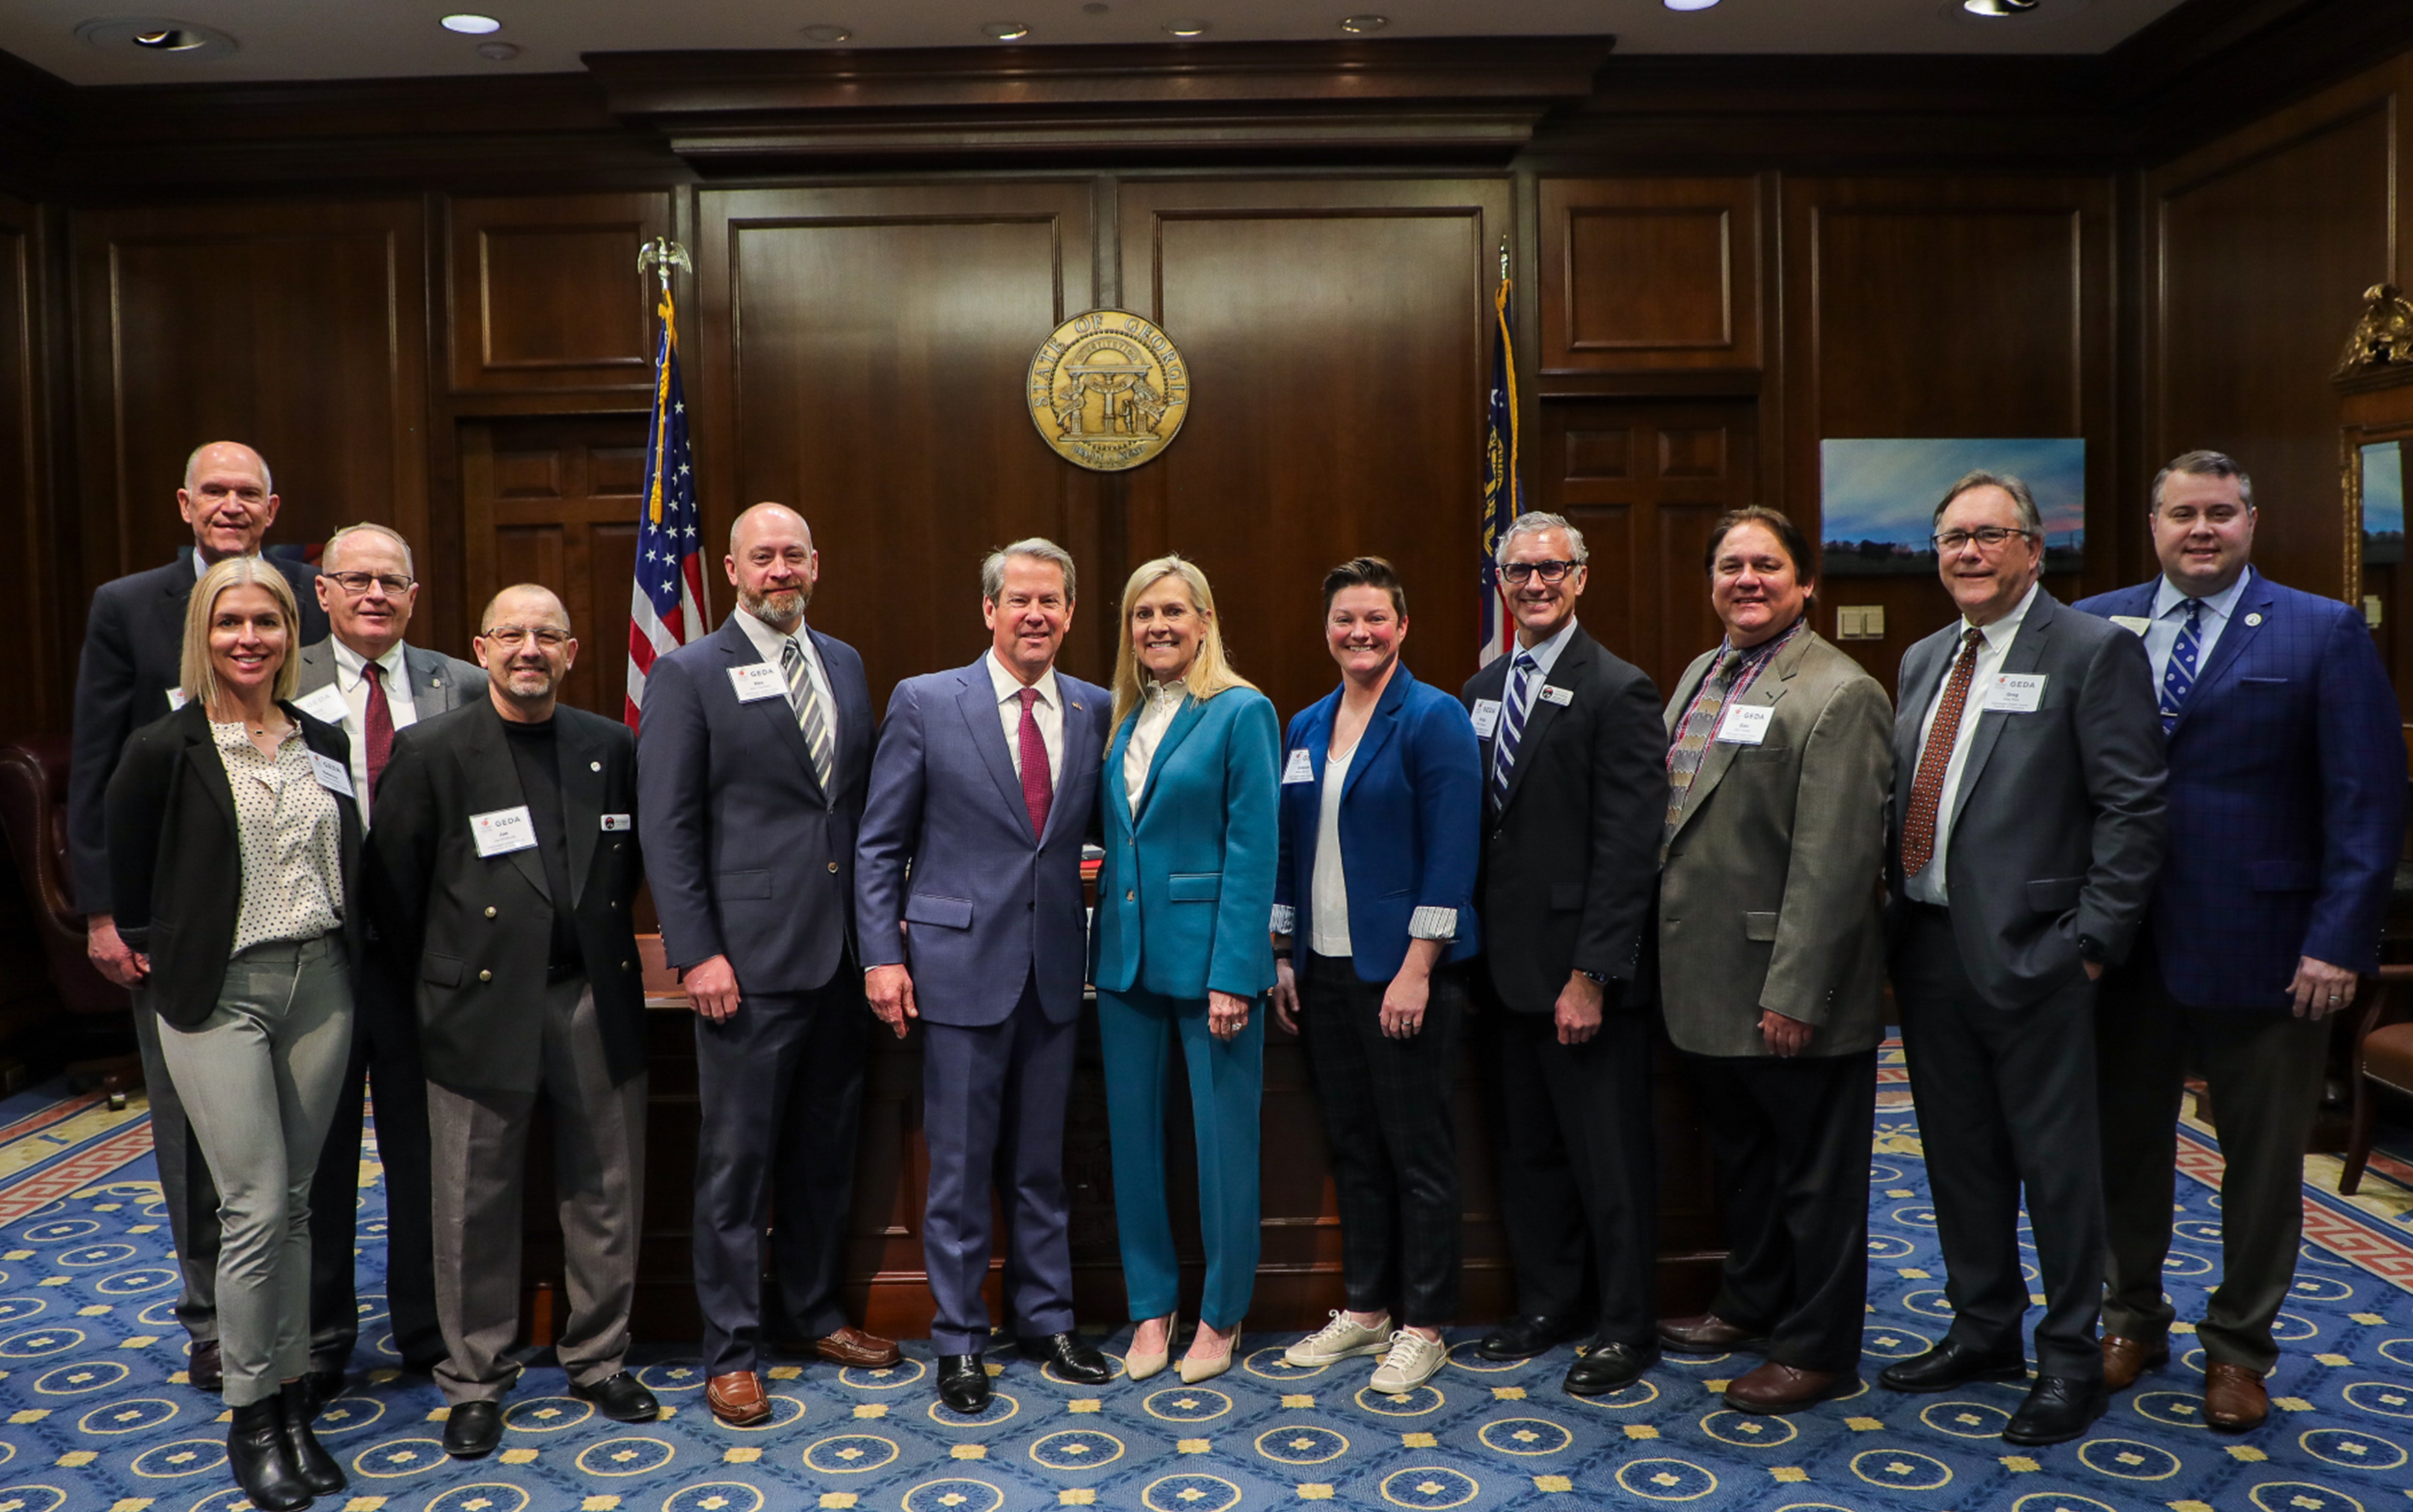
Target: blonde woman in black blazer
(234,840)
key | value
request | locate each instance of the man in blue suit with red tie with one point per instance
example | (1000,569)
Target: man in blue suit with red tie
(2287,806)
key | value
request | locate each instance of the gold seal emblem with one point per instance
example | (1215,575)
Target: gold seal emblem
(1109,390)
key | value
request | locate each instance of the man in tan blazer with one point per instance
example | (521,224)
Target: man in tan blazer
(1771,946)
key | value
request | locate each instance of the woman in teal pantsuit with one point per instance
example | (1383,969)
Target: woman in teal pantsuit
(1181,950)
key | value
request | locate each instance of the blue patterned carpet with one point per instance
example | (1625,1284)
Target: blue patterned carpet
(98,1418)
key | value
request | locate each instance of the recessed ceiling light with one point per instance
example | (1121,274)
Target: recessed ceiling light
(1360,25)
(169,40)
(469,25)
(1006,31)
(497,51)
(1687,5)
(1187,26)
(156,36)
(827,33)
(1997,8)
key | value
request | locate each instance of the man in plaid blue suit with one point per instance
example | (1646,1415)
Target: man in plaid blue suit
(2287,806)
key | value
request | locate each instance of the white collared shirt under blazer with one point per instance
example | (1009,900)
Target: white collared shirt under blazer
(1771,895)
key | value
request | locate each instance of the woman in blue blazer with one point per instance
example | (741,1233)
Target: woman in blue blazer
(1382,813)
(1180,951)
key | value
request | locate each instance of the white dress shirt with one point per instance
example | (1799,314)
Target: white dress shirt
(351,680)
(1927,884)
(2169,613)
(1327,926)
(1048,712)
(1158,702)
(1546,655)
(772,644)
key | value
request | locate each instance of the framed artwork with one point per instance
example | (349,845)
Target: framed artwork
(1877,497)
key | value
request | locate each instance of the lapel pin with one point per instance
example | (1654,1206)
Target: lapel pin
(594,766)
(2254,619)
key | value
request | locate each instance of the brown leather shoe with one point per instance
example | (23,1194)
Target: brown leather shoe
(2234,1399)
(737,1398)
(2125,1359)
(851,1345)
(1781,1389)
(1707,1334)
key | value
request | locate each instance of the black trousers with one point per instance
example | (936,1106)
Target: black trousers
(782,1087)
(1791,1139)
(1578,1168)
(1387,1115)
(2005,1100)
(384,1064)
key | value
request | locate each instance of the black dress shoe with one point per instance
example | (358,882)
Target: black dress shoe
(1073,1360)
(203,1370)
(262,1463)
(1526,1337)
(622,1398)
(2059,1408)
(1951,1364)
(963,1382)
(472,1429)
(1604,1368)
(295,1408)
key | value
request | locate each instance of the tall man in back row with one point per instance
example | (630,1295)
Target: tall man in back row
(2027,828)
(2286,803)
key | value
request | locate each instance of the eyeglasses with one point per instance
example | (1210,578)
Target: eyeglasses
(357,584)
(1521,573)
(1987,537)
(510,636)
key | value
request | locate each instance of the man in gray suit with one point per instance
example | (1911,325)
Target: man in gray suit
(366,678)
(2027,832)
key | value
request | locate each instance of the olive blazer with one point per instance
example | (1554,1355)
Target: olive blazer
(1773,892)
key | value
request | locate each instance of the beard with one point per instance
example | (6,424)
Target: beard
(776,605)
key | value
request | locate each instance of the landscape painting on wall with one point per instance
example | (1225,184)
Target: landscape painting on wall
(2383,503)
(1877,497)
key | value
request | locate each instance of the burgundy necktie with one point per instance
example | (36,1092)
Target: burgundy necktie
(1038,784)
(1927,787)
(377,724)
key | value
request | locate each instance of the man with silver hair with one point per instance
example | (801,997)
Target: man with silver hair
(1574,796)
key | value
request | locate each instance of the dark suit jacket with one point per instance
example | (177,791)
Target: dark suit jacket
(748,857)
(1571,857)
(2057,830)
(133,644)
(476,931)
(2287,799)
(175,858)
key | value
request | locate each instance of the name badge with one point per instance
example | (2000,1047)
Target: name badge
(1300,768)
(326,706)
(501,830)
(175,699)
(1746,724)
(757,681)
(1485,715)
(333,776)
(1560,696)
(2017,693)
(613,823)
(2136,623)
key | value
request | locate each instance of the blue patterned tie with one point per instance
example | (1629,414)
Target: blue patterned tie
(2178,680)
(1512,727)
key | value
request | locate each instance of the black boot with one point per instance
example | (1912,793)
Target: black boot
(262,1463)
(296,1406)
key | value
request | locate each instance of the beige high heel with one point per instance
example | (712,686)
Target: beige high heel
(1194,1370)
(1139,1366)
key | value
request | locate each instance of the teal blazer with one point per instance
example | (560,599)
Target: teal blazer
(1188,882)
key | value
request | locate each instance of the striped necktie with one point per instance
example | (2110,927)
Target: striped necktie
(2178,678)
(1693,740)
(807,703)
(1512,726)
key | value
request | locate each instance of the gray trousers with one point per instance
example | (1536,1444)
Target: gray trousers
(478,1148)
(185,1189)
(259,1079)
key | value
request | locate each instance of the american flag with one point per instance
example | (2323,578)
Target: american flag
(669,607)
(1504,494)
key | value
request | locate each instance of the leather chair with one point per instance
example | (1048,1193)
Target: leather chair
(2383,1058)
(34,811)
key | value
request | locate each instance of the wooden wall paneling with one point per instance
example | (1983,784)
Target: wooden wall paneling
(1649,273)
(860,354)
(296,326)
(43,676)
(544,291)
(2265,241)
(1943,307)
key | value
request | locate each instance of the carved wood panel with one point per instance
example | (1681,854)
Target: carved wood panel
(545,293)
(1643,274)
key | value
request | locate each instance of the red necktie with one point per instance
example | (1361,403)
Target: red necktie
(1038,786)
(377,724)
(1927,788)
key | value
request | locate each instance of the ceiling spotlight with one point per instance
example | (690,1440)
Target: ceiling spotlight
(1360,25)
(1186,28)
(468,25)
(1997,8)
(1687,5)
(827,33)
(168,39)
(498,51)
(158,36)
(1006,31)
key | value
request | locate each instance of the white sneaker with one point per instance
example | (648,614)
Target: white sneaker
(1411,1363)
(1338,1340)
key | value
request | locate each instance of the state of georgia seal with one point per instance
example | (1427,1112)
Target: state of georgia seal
(1109,390)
